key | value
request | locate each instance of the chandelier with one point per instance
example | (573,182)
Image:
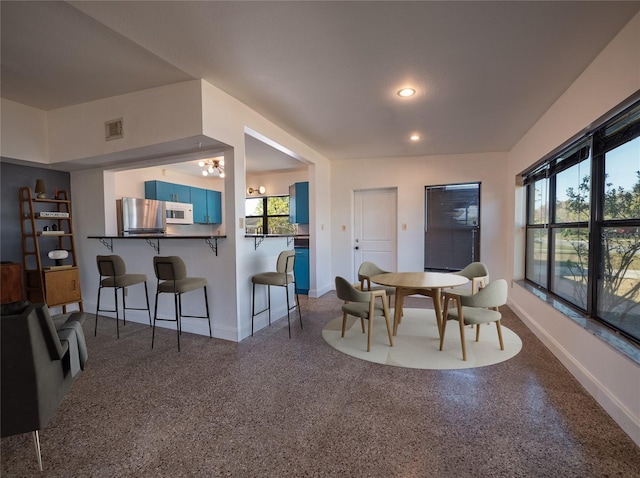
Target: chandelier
(212,166)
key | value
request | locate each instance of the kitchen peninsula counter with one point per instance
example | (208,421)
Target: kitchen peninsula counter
(258,238)
(154,239)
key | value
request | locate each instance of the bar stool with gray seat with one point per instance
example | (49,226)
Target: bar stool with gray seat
(171,273)
(113,273)
(283,277)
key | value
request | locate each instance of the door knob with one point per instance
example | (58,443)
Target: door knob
(357,247)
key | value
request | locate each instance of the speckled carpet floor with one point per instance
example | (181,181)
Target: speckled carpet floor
(271,406)
(417,343)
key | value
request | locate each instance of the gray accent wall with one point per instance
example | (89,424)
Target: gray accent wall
(12,178)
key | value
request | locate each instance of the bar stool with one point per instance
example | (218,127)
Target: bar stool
(283,277)
(171,273)
(113,273)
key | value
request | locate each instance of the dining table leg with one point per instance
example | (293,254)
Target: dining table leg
(436,294)
(397,313)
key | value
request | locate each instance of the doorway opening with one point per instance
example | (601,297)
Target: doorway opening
(452,226)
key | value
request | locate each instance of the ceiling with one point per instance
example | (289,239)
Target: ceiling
(325,71)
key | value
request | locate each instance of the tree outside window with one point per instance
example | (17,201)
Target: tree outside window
(583,242)
(268,215)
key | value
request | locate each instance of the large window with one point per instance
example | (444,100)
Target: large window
(268,215)
(583,224)
(451,226)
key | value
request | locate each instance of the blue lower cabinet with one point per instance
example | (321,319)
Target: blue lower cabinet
(301,270)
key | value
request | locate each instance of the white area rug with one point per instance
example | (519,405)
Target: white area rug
(417,342)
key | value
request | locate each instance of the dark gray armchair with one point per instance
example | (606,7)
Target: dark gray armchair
(40,362)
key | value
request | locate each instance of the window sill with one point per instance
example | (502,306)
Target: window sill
(604,333)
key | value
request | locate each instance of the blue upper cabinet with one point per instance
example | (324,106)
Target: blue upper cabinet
(207,206)
(214,206)
(163,191)
(199,201)
(299,203)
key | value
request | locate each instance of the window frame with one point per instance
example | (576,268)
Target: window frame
(265,216)
(609,134)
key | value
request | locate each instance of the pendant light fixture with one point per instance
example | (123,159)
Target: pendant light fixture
(212,166)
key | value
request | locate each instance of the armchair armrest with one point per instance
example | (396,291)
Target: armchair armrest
(74,317)
(56,350)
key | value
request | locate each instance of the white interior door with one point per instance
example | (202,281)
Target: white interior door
(375,228)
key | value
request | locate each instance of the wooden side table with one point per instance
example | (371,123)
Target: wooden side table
(11,283)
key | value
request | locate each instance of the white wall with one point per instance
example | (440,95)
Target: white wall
(612,379)
(24,132)
(410,176)
(276,183)
(150,117)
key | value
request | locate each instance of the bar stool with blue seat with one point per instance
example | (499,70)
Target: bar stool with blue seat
(171,273)
(113,273)
(284,276)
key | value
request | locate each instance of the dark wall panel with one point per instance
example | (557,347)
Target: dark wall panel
(12,178)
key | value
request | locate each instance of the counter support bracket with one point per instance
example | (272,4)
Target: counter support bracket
(289,240)
(258,241)
(155,244)
(214,247)
(108,243)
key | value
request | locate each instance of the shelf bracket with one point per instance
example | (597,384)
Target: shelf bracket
(289,241)
(257,241)
(214,247)
(108,243)
(155,245)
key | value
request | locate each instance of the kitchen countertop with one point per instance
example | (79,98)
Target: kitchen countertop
(159,236)
(258,238)
(154,239)
(278,235)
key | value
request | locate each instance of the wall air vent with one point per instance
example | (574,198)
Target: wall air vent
(113,129)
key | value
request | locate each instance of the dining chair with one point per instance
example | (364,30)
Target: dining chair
(476,309)
(365,272)
(477,273)
(171,273)
(362,304)
(284,276)
(113,273)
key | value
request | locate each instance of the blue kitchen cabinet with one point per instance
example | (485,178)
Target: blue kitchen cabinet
(214,206)
(199,201)
(301,270)
(163,191)
(299,203)
(207,206)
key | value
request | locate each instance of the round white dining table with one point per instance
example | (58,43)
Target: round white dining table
(429,284)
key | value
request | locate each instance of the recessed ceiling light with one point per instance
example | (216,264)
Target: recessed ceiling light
(414,137)
(404,92)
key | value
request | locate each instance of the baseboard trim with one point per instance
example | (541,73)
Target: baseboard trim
(618,411)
